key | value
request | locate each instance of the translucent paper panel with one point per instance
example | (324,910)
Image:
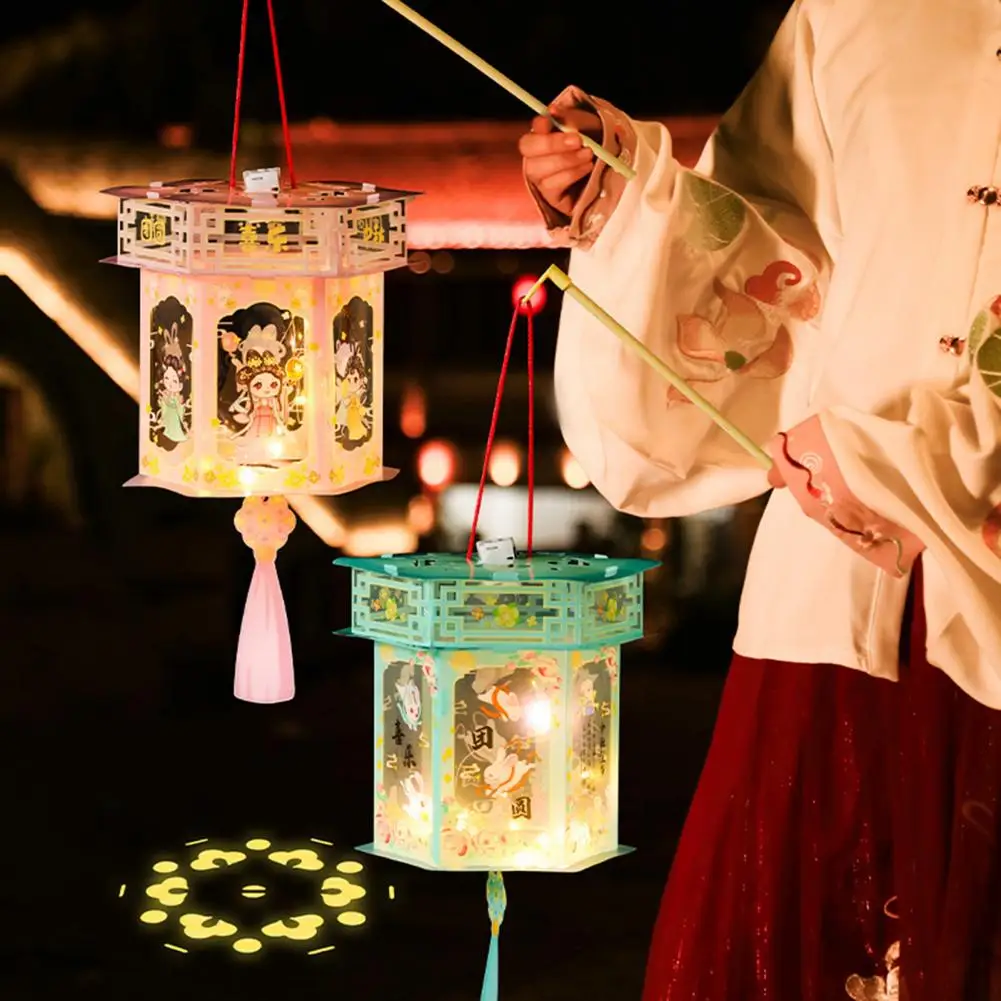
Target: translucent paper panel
(168,382)
(592,777)
(507,740)
(404,743)
(243,391)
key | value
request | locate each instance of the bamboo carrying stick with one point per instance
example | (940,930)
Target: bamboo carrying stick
(562,281)
(507,83)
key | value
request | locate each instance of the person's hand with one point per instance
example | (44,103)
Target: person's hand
(556,162)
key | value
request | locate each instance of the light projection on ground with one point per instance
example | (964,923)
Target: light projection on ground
(253,896)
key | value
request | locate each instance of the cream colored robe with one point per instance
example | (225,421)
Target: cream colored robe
(825,258)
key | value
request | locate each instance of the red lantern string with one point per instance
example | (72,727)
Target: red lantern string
(239,93)
(531,430)
(241,62)
(286,134)
(501,380)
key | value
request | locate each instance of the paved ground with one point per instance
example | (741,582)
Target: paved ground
(115,749)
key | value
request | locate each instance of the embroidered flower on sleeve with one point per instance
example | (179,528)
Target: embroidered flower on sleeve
(749,335)
(738,341)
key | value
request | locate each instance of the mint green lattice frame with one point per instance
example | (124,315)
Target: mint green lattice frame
(549,601)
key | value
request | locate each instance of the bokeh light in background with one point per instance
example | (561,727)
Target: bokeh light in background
(419,262)
(505,464)
(572,473)
(442,262)
(437,464)
(413,412)
(420,514)
(536,304)
(654,539)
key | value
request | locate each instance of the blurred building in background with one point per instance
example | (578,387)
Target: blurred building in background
(68,360)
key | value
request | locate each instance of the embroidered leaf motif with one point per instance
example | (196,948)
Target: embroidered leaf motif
(989,361)
(718,215)
(977,330)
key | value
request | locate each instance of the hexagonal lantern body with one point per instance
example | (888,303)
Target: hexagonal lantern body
(497,706)
(262,320)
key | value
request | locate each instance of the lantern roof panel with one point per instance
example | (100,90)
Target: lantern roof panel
(306,194)
(574,567)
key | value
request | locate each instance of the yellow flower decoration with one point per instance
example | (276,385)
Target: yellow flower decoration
(392,610)
(295,479)
(506,616)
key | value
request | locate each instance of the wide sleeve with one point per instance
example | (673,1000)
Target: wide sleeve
(932,465)
(721,272)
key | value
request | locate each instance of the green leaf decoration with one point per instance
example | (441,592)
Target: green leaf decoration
(718,215)
(977,330)
(989,361)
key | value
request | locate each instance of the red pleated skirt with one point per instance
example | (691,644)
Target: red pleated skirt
(841,843)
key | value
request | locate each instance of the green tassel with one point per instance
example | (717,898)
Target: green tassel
(496,905)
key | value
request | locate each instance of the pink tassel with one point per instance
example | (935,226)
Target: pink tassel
(264,668)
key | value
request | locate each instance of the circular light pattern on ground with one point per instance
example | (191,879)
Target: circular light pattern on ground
(173,901)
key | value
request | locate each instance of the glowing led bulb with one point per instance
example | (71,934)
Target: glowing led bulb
(539,715)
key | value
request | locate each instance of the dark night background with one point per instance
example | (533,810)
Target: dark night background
(119,736)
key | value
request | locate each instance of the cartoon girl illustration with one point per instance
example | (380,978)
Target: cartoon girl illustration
(354,416)
(169,375)
(261,393)
(173,407)
(353,362)
(170,399)
(262,405)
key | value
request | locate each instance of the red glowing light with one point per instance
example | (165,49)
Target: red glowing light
(536,304)
(436,463)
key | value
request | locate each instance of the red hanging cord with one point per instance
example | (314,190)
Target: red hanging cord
(501,380)
(531,430)
(239,94)
(286,132)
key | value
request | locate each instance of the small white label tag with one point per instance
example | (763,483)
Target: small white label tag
(496,552)
(267,180)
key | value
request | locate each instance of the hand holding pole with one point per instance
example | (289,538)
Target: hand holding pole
(507,83)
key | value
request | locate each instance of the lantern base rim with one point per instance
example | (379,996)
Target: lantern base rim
(489,643)
(587,863)
(382,476)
